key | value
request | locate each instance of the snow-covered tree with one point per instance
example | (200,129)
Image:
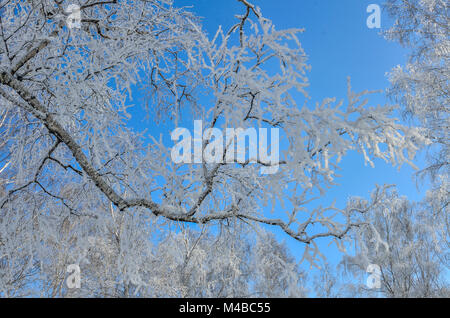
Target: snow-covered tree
(414,257)
(422,86)
(235,262)
(77,178)
(326,283)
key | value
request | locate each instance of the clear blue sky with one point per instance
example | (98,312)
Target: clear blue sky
(339,44)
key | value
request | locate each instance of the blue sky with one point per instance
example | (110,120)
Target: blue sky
(339,44)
